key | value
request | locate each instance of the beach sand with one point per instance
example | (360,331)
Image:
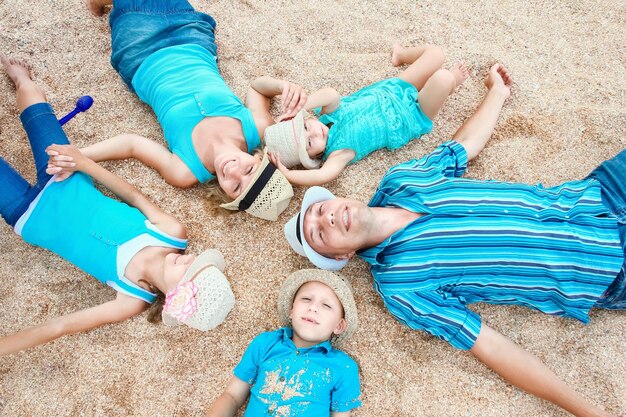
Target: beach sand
(566,115)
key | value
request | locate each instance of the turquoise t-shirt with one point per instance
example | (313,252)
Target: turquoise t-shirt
(183,85)
(306,382)
(77,222)
(383,115)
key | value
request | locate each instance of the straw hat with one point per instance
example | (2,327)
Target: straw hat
(203,298)
(267,195)
(338,283)
(294,231)
(289,139)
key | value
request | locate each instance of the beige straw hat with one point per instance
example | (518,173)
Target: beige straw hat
(288,139)
(337,282)
(267,195)
(203,297)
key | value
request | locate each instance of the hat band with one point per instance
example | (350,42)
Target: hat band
(257,187)
(298,236)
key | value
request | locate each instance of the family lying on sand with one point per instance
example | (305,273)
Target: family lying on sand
(435,241)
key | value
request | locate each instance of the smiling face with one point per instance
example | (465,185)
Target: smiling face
(176,265)
(337,228)
(316,314)
(316,136)
(235,170)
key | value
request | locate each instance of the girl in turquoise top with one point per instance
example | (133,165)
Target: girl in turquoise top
(133,246)
(166,53)
(386,114)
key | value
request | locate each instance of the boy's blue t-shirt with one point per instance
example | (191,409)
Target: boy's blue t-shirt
(287,381)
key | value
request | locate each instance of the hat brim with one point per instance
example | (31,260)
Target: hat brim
(295,227)
(303,155)
(208,258)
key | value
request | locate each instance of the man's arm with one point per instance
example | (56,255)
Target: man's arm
(527,372)
(476,131)
(231,399)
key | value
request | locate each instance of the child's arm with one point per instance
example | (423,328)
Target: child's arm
(331,169)
(231,399)
(292,100)
(338,414)
(61,154)
(326,98)
(122,308)
(170,166)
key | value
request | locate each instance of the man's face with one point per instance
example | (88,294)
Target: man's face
(337,228)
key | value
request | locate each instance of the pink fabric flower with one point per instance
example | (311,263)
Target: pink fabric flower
(181,303)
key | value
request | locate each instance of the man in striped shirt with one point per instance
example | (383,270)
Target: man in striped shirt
(437,242)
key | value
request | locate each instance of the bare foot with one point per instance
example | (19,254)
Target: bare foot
(16,69)
(97,7)
(460,72)
(396,51)
(499,79)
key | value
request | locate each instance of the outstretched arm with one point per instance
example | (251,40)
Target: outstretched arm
(122,308)
(124,146)
(527,372)
(231,399)
(331,169)
(61,154)
(476,131)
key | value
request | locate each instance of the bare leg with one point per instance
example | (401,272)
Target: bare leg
(423,62)
(98,7)
(439,87)
(27,92)
(476,131)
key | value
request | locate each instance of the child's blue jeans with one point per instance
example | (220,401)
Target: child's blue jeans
(612,176)
(43,129)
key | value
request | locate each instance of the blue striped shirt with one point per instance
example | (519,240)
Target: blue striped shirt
(552,249)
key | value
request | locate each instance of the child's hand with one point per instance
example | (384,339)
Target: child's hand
(275,159)
(292,100)
(63,161)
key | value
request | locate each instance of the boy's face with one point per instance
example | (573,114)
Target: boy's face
(316,314)
(316,136)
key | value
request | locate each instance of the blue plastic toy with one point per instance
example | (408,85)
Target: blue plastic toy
(82,104)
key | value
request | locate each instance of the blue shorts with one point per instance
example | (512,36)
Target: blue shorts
(612,176)
(141,27)
(43,129)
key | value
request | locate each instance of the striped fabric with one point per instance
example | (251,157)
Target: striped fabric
(552,249)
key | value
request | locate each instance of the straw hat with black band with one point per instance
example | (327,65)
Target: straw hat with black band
(267,195)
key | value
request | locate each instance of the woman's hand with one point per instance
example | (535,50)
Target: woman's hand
(64,160)
(292,100)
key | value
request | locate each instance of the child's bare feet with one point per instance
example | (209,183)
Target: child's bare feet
(16,69)
(396,51)
(498,79)
(97,7)
(460,72)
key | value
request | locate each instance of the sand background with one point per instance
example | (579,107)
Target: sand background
(566,115)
